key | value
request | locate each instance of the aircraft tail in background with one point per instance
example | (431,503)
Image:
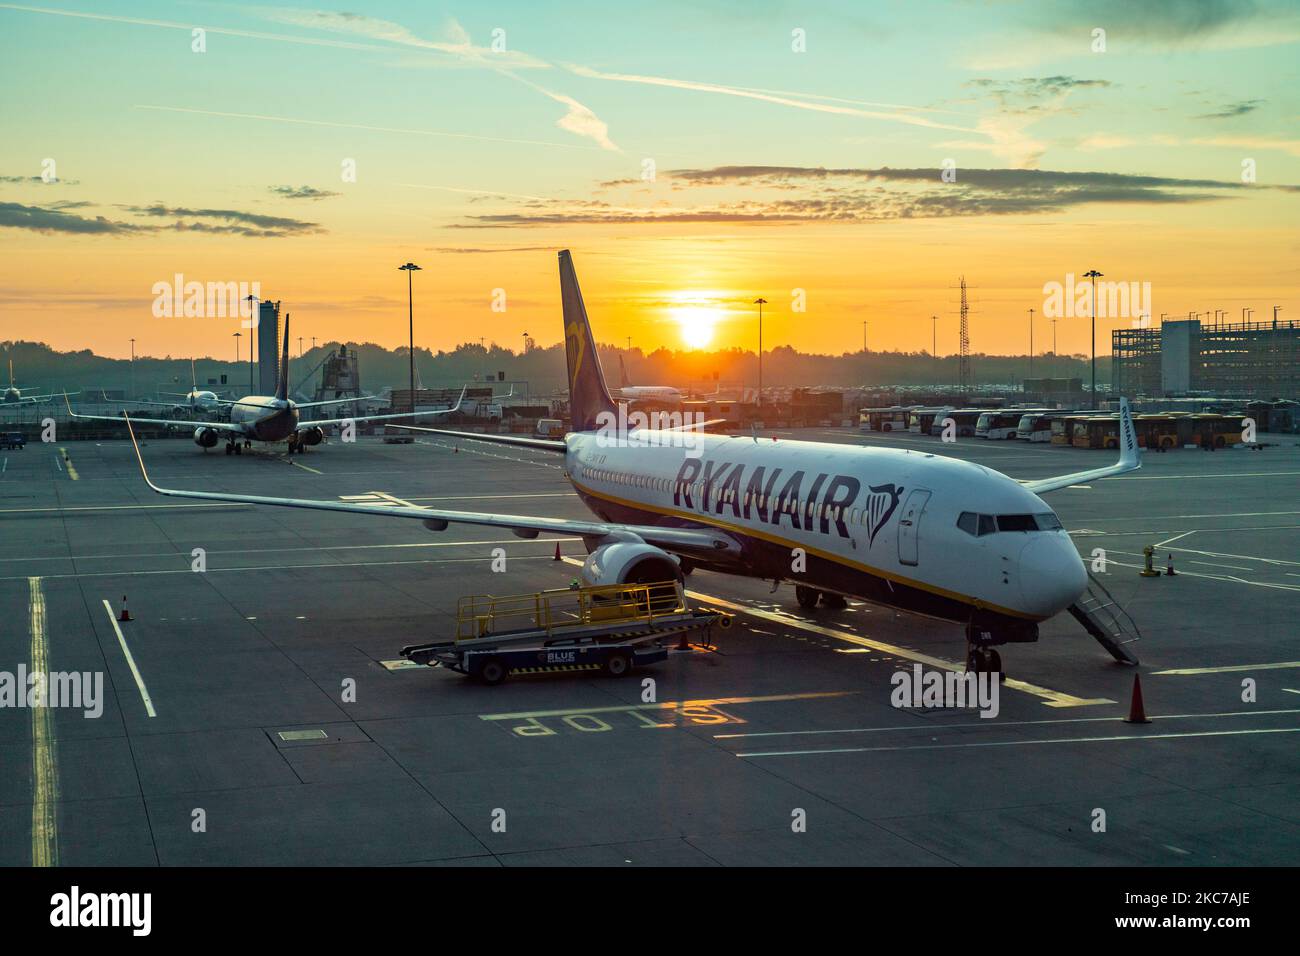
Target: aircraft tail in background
(588,394)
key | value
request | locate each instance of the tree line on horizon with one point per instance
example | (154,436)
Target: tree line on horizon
(37,365)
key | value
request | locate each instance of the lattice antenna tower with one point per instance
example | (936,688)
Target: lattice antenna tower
(963,364)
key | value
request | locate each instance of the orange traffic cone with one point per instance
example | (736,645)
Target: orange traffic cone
(557,551)
(1136,712)
(125,615)
(1169,567)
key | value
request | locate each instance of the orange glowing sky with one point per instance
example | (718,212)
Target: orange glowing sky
(809,175)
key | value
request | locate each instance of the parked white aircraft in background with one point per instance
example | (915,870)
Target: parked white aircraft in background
(905,528)
(664,394)
(268,418)
(196,399)
(13,395)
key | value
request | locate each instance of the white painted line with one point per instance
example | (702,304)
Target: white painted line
(1025,743)
(1281,665)
(1161,544)
(15,511)
(1210,564)
(1051,698)
(935,727)
(126,652)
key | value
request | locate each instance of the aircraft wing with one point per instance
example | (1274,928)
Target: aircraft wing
(215,426)
(1129,460)
(303,426)
(695,540)
(334,401)
(519,441)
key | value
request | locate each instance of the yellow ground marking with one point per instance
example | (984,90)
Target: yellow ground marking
(1230,670)
(298,464)
(72,472)
(45,766)
(126,652)
(1051,698)
(664,705)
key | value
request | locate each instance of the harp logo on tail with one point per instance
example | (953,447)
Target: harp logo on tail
(575,346)
(881,505)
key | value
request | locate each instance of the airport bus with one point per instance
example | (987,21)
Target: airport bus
(1002,424)
(1095,431)
(1156,431)
(891,419)
(964,421)
(920,418)
(1038,425)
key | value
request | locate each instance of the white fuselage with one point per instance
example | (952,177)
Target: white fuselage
(650,393)
(202,400)
(870,521)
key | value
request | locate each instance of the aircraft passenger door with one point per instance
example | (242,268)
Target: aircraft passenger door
(909,525)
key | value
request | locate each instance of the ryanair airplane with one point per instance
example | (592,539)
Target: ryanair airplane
(267,418)
(908,529)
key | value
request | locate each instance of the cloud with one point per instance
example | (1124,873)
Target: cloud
(228,221)
(796,101)
(37,180)
(457,46)
(48,219)
(1233,110)
(786,194)
(578,118)
(301,192)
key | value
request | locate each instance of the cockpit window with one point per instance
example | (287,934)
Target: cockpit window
(979,525)
(1017,523)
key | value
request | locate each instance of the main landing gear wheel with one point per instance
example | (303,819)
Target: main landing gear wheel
(983,660)
(618,665)
(492,672)
(806,596)
(835,601)
(230,449)
(239,449)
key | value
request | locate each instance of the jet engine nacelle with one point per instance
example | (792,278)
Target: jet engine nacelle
(629,562)
(311,436)
(206,437)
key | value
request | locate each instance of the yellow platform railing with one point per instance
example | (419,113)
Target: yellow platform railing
(554,611)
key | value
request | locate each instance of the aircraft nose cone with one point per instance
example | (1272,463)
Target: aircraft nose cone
(1052,575)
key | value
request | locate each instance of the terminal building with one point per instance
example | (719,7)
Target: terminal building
(1254,360)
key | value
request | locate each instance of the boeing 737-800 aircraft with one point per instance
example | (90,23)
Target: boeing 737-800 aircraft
(268,418)
(13,395)
(908,529)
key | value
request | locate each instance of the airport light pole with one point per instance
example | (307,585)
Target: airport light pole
(1094,275)
(252,300)
(1031,343)
(410,268)
(760,302)
(864,335)
(1056,359)
(133,366)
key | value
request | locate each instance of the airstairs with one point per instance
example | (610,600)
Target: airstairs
(1103,617)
